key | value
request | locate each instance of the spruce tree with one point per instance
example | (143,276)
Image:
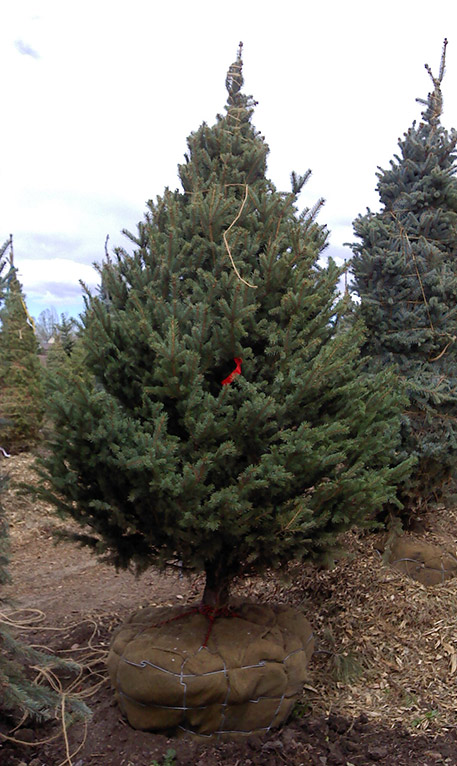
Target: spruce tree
(228,425)
(19,693)
(5,274)
(405,272)
(21,402)
(64,361)
(67,333)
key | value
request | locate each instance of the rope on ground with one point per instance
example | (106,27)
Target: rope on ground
(89,667)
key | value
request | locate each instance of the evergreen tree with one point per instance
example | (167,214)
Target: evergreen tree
(5,268)
(67,333)
(229,426)
(55,361)
(19,693)
(65,359)
(4,538)
(20,371)
(405,272)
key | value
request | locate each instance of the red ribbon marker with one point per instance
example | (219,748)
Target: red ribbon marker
(235,372)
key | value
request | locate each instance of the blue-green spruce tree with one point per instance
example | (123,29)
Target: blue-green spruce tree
(405,272)
(163,460)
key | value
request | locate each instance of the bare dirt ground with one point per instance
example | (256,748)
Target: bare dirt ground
(382,685)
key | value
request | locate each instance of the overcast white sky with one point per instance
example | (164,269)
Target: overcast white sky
(98,97)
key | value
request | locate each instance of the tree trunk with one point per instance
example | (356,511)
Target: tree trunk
(217,586)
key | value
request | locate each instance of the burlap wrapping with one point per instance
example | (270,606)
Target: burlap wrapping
(424,562)
(246,680)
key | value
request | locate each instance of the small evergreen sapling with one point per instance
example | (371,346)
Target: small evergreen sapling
(229,425)
(405,272)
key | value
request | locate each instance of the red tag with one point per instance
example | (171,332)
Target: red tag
(235,372)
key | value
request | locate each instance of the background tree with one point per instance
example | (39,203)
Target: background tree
(67,332)
(20,371)
(20,694)
(65,358)
(229,425)
(6,273)
(5,267)
(405,272)
(46,325)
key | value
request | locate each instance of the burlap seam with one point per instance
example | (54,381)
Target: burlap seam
(180,675)
(143,664)
(194,707)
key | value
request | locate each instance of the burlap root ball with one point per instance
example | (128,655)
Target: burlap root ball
(422,561)
(246,680)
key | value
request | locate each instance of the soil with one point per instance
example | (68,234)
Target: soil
(376,695)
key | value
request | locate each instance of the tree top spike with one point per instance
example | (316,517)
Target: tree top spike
(434,101)
(443,59)
(438,80)
(234,80)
